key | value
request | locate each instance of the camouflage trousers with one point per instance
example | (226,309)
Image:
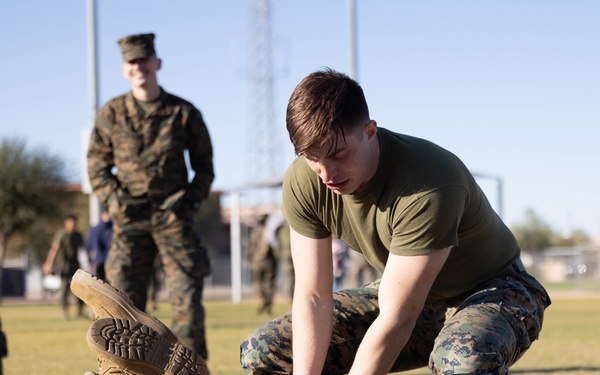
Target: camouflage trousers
(482,332)
(142,231)
(264,275)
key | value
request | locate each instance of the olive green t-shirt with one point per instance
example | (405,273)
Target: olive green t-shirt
(421,199)
(66,261)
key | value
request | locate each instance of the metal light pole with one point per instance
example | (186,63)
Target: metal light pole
(92,61)
(499,190)
(352,44)
(236,247)
(94,205)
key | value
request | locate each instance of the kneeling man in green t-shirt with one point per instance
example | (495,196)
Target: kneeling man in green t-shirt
(453,294)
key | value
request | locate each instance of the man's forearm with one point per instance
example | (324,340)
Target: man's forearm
(379,348)
(312,327)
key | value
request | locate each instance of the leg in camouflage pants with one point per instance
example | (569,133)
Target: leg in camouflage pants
(483,332)
(139,232)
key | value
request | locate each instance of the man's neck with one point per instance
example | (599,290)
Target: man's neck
(146,94)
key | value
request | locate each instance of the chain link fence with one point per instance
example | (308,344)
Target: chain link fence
(575,269)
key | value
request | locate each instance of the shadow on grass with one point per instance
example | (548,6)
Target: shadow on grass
(539,371)
(574,369)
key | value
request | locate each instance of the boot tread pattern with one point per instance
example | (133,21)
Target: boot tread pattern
(136,346)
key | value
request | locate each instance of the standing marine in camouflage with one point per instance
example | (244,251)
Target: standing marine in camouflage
(453,295)
(144,134)
(263,265)
(277,234)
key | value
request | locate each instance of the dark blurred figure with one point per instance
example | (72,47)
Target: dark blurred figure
(156,282)
(62,259)
(3,347)
(339,253)
(285,257)
(277,235)
(358,271)
(98,244)
(263,265)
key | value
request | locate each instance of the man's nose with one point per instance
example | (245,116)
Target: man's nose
(327,171)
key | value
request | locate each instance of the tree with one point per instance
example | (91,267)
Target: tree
(534,235)
(35,240)
(577,237)
(27,178)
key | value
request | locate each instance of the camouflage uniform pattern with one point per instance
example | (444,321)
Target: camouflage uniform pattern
(285,258)
(152,204)
(137,46)
(263,264)
(483,332)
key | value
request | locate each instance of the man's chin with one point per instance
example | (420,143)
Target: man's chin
(342,191)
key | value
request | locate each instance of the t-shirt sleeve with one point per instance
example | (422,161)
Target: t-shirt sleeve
(300,199)
(429,222)
(58,236)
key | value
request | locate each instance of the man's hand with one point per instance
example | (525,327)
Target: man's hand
(47,268)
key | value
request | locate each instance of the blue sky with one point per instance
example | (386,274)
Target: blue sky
(511,87)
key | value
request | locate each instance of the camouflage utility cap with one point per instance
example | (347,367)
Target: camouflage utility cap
(137,46)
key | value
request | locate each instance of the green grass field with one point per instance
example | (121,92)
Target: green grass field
(42,343)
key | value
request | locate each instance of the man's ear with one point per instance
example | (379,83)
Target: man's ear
(371,129)
(159,63)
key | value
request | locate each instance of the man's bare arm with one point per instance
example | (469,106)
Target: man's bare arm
(312,309)
(49,263)
(405,284)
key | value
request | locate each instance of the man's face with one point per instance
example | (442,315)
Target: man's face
(70,225)
(104,216)
(141,72)
(350,165)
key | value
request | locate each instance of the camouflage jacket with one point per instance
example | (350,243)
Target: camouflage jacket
(259,252)
(147,150)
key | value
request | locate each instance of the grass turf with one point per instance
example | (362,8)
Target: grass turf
(42,342)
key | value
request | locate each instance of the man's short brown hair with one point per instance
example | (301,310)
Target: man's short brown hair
(324,105)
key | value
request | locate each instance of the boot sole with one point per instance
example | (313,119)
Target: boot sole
(109,302)
(140,349)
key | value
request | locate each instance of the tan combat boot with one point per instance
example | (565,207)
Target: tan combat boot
(107,367)
(109,302)
(135,348)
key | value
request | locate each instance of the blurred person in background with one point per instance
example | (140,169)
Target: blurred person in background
(98,244)
(339,252)
(62,259)
(263,265)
